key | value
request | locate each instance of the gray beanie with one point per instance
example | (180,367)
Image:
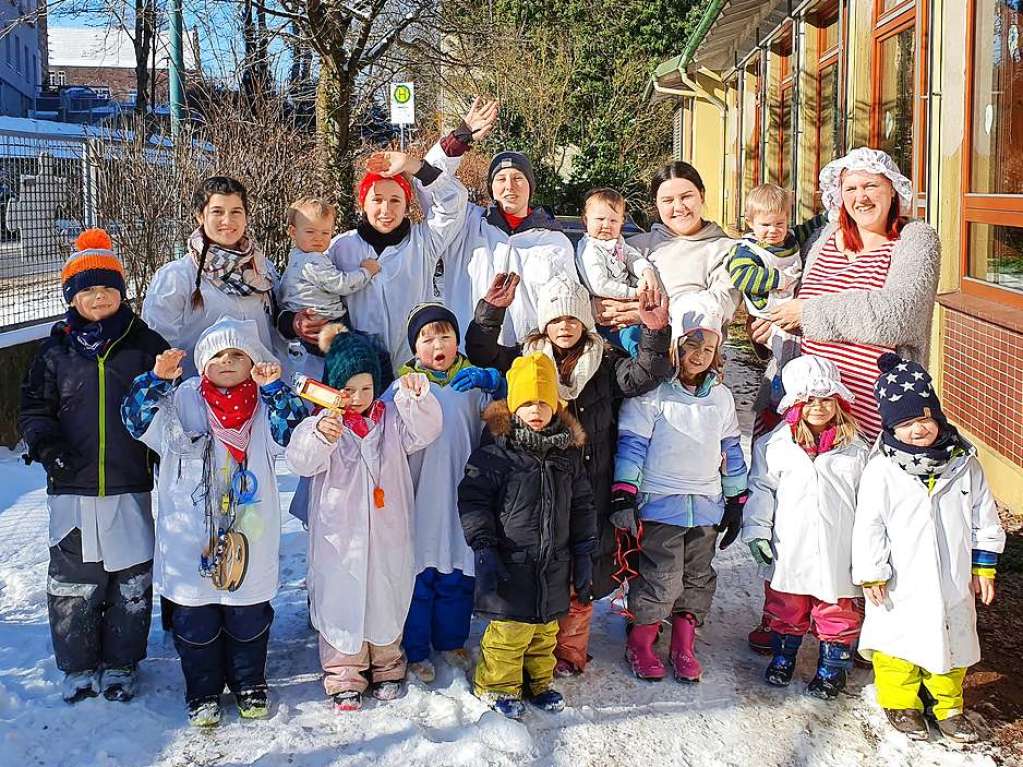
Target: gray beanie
(516,160)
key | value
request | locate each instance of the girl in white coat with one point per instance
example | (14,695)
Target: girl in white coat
(217,436)
(361,557)
(222,274)
(798,524)
(925,546)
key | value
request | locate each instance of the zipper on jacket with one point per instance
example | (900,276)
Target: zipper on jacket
(101,360)
(541,559)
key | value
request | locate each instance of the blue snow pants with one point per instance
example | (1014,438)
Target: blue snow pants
(440,613)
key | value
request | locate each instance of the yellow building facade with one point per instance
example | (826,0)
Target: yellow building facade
(772,91)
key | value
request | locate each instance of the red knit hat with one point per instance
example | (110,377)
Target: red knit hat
(93,263)
(371,178)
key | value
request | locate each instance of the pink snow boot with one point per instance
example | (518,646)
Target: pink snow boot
(639,651)
(682,655)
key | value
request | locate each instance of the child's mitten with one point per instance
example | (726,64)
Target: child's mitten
(490,571)
(760,549)
(731,521)
(624,514)
(582,571)
(487,380)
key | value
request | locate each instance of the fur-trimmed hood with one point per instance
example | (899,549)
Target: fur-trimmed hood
(498,419)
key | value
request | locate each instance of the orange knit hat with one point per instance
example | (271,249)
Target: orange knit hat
(93,263)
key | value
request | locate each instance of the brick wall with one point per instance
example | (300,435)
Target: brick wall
(120,80)
(983,383)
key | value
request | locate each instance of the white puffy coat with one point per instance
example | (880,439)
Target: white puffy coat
(436,472)
(361,558)
(406,269)
(167,309)
(181,533)
(805,507)
(482,249)
(921,544)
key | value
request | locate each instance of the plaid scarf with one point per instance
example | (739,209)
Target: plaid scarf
(230,414)
(239,271)
(361,424)
(94,339)
(555,436)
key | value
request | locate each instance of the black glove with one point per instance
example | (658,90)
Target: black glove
(60,462)
(731,522)
(582,577)
(624,514)
(490,571)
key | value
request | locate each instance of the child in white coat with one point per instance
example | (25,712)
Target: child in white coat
(361,558)
(679,479)
(219,518)
(798,524)
(925,546)
(441,609)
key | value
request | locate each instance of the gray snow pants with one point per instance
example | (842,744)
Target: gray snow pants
(97,618)
(675,573)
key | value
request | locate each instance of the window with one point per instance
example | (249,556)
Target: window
(993,157)
(830,104)
(894,94)
(782,117)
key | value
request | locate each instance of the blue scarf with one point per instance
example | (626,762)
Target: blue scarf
(93,339)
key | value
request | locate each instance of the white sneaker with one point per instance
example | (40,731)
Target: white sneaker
(79,685)
(424,670)
(460,658)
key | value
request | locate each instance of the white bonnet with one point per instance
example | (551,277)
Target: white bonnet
(871,161)
(810,376)
(230,333)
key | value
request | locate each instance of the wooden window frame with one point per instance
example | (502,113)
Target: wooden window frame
(826,60)
(978,208)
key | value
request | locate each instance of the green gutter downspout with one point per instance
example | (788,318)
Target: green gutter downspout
(710,15)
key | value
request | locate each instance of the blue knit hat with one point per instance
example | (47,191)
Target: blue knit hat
(425,313)
(904,391)
(347,355)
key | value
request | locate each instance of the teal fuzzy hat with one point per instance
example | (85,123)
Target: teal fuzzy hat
(346,355)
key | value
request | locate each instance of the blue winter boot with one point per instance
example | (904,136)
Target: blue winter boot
(783,664)
(832,667)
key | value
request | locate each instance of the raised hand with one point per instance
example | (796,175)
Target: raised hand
(389,164)
(265,373)
(502,290)
(330,427)
(168,364)
(653,308)
(481,117)
(414,383)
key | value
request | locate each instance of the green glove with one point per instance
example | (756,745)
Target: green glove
(760,549)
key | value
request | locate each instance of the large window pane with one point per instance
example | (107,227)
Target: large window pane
(998,98)
(896,98)
(996,255)
(829,117)
(785,140)
(886,5)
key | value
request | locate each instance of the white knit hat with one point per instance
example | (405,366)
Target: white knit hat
(693,312)
(230,333)
(810,376)
(563,297)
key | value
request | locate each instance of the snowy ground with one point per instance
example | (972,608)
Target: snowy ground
(730,718)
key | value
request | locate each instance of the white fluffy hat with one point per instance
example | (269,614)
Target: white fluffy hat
(811,376)
(230,333)
(870,161)
(693,312)
(563,297)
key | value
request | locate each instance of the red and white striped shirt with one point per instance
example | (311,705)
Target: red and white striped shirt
(831,273)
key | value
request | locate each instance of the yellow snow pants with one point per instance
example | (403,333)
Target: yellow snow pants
(509,648)
(898,686)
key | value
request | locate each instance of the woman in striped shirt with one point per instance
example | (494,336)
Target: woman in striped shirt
(868,286)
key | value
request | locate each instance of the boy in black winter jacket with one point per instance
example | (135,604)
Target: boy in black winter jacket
(527,512)
(98,479)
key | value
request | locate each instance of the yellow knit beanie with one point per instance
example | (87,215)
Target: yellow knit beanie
(532,378)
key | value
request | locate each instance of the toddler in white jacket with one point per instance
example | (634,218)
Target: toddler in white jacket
(609,267)
(798,524)
(925,545)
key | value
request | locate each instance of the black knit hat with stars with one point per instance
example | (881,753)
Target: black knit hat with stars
(904,391)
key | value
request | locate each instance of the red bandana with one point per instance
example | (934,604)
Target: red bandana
(361,424)
(231,414)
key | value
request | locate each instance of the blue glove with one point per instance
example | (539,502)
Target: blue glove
(490,571)
(485,379)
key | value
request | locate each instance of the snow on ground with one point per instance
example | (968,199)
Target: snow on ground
(731,718)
